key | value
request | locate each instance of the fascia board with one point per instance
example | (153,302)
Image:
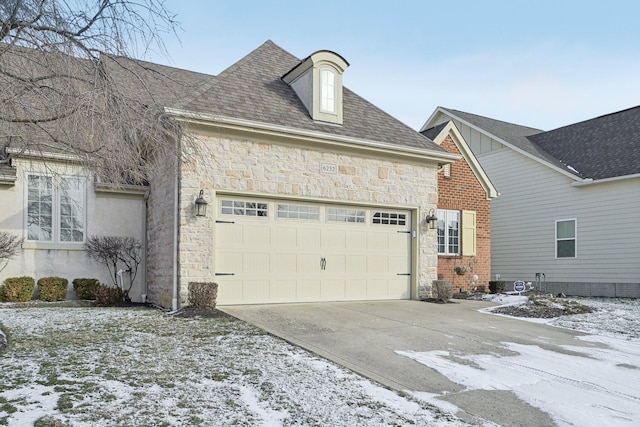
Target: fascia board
(472,161)
(261,127)
(37,154)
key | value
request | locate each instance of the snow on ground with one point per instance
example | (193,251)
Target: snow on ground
(134,367)
(583,387)
(109,366)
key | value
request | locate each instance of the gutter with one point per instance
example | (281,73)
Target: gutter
(590,181)
(441,157)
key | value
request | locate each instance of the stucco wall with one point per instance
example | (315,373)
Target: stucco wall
(244,166)
(106,214)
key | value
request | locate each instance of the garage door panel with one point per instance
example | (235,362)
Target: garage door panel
(276,258)
(378,264)
(255,290)
(255,263)
(309,290)
(399,288)
(258,235)
(333,289)
(356,289)
(284,263)
(284,237)
(356,264)
(283,290)
(309,237)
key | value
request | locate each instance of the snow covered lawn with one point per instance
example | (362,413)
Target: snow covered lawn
(87,366)
(135,367)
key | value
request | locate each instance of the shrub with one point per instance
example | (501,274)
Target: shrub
(497,286)
(85,288)
(52,289)
(17,289)
(442,290)
(108,295)
(203,294)
(119,254)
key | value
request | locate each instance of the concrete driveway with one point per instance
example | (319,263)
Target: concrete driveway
(364,337)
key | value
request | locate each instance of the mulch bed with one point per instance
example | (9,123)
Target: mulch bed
(189,312)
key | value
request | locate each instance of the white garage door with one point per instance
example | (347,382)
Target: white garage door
(270,251)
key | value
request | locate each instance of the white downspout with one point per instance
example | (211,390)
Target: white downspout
(176,213)
(144,291)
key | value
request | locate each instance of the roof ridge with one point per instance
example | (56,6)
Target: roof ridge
(492,119)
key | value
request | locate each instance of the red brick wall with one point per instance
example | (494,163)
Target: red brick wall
(462,191)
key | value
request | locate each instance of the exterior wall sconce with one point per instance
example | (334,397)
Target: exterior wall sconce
(431,219)
(201,205)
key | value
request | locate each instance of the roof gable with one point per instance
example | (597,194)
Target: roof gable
(440,132)
(252,89)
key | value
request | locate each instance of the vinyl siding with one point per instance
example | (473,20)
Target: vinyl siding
(533,197)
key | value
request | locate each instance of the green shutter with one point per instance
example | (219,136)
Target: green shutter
(468,233)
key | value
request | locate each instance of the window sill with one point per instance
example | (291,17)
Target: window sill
(53,246)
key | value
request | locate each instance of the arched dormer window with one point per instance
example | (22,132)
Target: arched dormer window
(327,90)
(317,80)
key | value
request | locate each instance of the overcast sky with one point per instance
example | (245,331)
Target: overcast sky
(544,63)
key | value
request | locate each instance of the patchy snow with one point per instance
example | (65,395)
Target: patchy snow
(584,387)
(108,367)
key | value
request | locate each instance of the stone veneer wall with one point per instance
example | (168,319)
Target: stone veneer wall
(462,191)
(245,166)
(160,226)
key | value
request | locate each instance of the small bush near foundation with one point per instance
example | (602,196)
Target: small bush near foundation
(52,289)
(108,295)
(442,290)
(497,286)
(17,289)
(85,288)
(203,294)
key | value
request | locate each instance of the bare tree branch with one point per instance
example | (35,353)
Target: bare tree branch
(68,84)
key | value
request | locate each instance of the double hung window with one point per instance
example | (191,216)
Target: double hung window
(566,238)
(448,232)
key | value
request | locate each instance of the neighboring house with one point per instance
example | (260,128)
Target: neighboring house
(567,215)
(463,215)
(54,204)
(313,193)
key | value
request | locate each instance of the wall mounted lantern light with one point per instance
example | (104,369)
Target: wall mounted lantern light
(201,205)
(431,219)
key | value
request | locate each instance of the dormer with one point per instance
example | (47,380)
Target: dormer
(317,81)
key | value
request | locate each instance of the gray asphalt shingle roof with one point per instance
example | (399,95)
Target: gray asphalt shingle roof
(604,147)
(252,89)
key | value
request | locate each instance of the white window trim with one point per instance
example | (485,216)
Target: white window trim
(55,242)
(575,237)
(334,86)
(446,235)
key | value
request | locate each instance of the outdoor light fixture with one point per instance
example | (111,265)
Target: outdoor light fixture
(201,205)
(431,219)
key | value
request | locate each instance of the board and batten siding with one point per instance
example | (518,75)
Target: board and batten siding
(533,198)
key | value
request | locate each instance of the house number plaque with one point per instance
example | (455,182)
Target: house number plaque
(331,168)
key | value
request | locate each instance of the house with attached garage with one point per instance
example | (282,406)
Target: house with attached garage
(291,188)
(567,216)
(313,193)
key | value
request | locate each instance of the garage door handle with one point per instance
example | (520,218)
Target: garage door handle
(323,263)
(225,274)
(404,274)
